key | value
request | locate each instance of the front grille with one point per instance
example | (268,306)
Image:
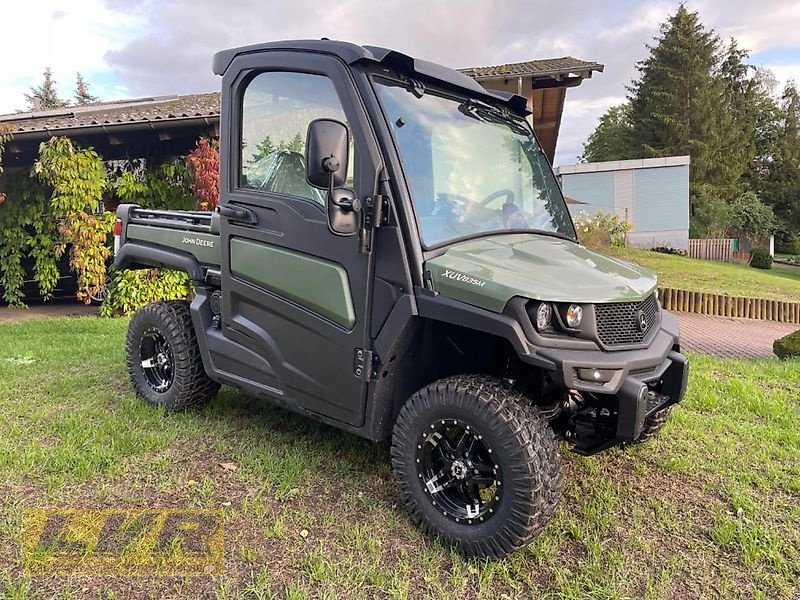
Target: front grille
(618,323)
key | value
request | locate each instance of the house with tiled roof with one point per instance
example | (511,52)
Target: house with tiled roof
(170,125)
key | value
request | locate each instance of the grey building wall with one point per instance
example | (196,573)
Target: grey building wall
(650,194)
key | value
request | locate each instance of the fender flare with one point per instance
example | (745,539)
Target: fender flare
(134,255)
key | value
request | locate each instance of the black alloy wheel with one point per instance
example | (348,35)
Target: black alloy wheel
(455,463)
(476,465)
(163,356)
(158,364)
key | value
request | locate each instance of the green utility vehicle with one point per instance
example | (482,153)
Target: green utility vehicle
(392,255)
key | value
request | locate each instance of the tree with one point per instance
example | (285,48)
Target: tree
(82,95)
(677,102)
(612,140)
(780,187)
(44,96)
(752,217)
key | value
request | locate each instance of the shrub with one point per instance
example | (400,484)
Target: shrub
(787,346)
(669,250)
(128,291)
(787,242)
(751,216)
(601,230)
(760,258)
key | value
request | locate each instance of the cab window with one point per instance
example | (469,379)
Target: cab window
(276,110)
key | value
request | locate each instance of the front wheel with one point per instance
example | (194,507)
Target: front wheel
(476,465)
(164,360)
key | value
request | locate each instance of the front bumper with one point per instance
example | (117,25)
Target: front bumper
(632,385)
(644,364)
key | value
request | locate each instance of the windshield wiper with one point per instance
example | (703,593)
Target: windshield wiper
(489,113)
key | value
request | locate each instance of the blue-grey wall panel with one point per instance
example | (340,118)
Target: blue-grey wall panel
(661,198)
(595,189)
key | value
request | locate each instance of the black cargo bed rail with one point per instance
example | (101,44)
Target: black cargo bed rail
(174,219)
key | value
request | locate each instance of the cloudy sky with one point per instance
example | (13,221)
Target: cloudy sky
(135,48)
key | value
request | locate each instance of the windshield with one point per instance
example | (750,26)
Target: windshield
(472,167)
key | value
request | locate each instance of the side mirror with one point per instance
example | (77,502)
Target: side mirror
(327,148)
(327,145)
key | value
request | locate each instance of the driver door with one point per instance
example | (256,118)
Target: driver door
(294,294)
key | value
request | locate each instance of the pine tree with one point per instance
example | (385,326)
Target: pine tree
(781,184)
(676,104)
(82,95)
(612,140)
(44,96)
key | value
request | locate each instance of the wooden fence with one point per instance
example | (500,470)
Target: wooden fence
(718,250)
(729,306)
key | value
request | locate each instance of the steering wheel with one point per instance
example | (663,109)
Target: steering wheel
(498,194)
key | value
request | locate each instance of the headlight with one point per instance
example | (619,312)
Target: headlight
(544,316)
(574,316)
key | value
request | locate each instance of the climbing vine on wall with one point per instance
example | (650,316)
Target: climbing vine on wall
(164,185)
(129,290)
(78,178)
(5,136)
(27,229)
(203,164)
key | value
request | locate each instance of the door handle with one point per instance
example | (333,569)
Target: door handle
(237,213)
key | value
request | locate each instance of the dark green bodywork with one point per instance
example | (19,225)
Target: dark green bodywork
(489,271)
(204,246)
(319,285)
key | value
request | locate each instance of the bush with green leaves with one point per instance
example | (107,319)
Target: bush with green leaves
(129,290)
(760,258)
(788,346)
(601,230)
(752,217)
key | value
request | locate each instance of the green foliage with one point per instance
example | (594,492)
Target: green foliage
(780,184)
(788,346)
(165,185)
(751,216)
(78,178)
(711,213)
(787,242)
(601,230)
(128,290)
(760,258)
(44,95)
(612,140)
(675,103)
(696,96)
(267,147)
(82,94)
(5,136)
(27,229)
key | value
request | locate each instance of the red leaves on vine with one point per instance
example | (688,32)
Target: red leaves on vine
(203,163)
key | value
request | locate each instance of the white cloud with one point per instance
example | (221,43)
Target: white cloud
(145,47)
(67,37)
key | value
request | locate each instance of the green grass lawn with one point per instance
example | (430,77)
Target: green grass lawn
(710,509)
(733,279)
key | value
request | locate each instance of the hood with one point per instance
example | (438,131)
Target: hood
(489,271)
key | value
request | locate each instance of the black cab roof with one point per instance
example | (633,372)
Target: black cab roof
(353,53)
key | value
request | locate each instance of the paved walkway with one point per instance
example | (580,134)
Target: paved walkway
(728,337)
(58,308)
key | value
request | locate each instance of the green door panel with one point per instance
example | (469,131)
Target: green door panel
(319,285)
(489,271)
(204,246)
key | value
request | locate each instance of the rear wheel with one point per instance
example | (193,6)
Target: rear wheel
(164,361)
(476,465)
